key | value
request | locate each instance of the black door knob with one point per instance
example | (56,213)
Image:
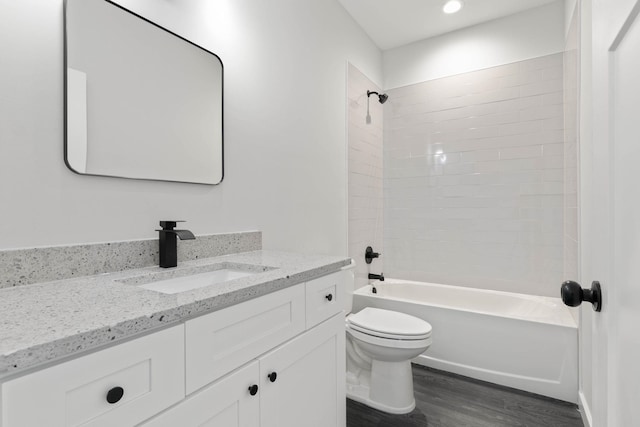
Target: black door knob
(272,377)
(573,294)
(253,390)
(329,297)
(115,394)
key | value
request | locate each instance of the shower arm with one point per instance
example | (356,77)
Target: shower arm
(382,98)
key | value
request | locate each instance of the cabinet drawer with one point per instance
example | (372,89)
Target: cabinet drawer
(325,297)
(221,341)
(149,371)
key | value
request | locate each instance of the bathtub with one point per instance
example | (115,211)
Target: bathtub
(516,340)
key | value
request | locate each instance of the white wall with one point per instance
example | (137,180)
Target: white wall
(526,35)
(285,149)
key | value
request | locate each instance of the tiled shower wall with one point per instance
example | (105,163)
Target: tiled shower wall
(365,174)
(474,180)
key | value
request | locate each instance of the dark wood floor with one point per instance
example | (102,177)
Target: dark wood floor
(449,400)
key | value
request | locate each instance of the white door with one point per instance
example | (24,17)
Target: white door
(611,212)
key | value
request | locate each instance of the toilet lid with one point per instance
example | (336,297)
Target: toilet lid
(389,324)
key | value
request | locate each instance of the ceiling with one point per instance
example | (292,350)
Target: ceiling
(393,23)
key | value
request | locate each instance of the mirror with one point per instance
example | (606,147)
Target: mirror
(140,101)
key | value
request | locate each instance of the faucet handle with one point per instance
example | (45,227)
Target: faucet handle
(170,225)
(369,254)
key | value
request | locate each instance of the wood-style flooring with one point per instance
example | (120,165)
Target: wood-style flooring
(448,400)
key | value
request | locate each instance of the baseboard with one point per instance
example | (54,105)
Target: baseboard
(585,411)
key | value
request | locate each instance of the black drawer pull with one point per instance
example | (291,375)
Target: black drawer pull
(115,394)
(253,390)
(272,377)
(329,297)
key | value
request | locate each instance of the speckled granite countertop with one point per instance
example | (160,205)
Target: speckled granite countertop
(43,322)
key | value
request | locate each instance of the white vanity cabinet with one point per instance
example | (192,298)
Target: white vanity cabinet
(273,361)
(291,377)
(300,383)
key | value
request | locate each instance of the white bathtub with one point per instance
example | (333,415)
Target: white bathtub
(521,341)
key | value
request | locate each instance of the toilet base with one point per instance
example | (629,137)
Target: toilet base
(360,394)
(388,387)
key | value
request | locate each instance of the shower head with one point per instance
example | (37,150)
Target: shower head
(382,98)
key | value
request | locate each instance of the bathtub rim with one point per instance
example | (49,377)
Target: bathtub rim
(568,322)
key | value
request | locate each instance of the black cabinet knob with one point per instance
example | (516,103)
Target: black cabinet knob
(329,297)
(272,377)
(573,294)
(253,390)
(115,394)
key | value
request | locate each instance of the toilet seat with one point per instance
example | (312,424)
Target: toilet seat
(388,324)
(389,343)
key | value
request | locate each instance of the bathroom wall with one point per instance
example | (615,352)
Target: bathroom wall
(530,34)
(285,139)
(474,180)
(365,173)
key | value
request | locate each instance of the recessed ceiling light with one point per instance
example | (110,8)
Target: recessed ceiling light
(452,6)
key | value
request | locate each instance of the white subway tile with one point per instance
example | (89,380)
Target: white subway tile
(540,88)
(520,128)
(553,98)
(458,169)
(521,152)
(542,112)
(530,102)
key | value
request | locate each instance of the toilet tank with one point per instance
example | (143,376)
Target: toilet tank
(348,276)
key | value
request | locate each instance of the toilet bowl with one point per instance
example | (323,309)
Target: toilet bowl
(380,345)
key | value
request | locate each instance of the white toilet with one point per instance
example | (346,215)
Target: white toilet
(380,345)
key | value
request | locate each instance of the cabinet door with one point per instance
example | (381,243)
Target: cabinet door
(309,386)
(225,403)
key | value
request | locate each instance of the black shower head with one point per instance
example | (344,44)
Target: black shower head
(381,97)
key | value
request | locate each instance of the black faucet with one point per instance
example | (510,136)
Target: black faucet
(377,276)
(169,244)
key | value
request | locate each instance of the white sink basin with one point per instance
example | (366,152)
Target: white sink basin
(182,280)
(196,281)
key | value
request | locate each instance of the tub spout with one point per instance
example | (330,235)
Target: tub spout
(377,276)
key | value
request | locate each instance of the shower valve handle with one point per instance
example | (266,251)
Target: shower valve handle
(573,294)
(369,255)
